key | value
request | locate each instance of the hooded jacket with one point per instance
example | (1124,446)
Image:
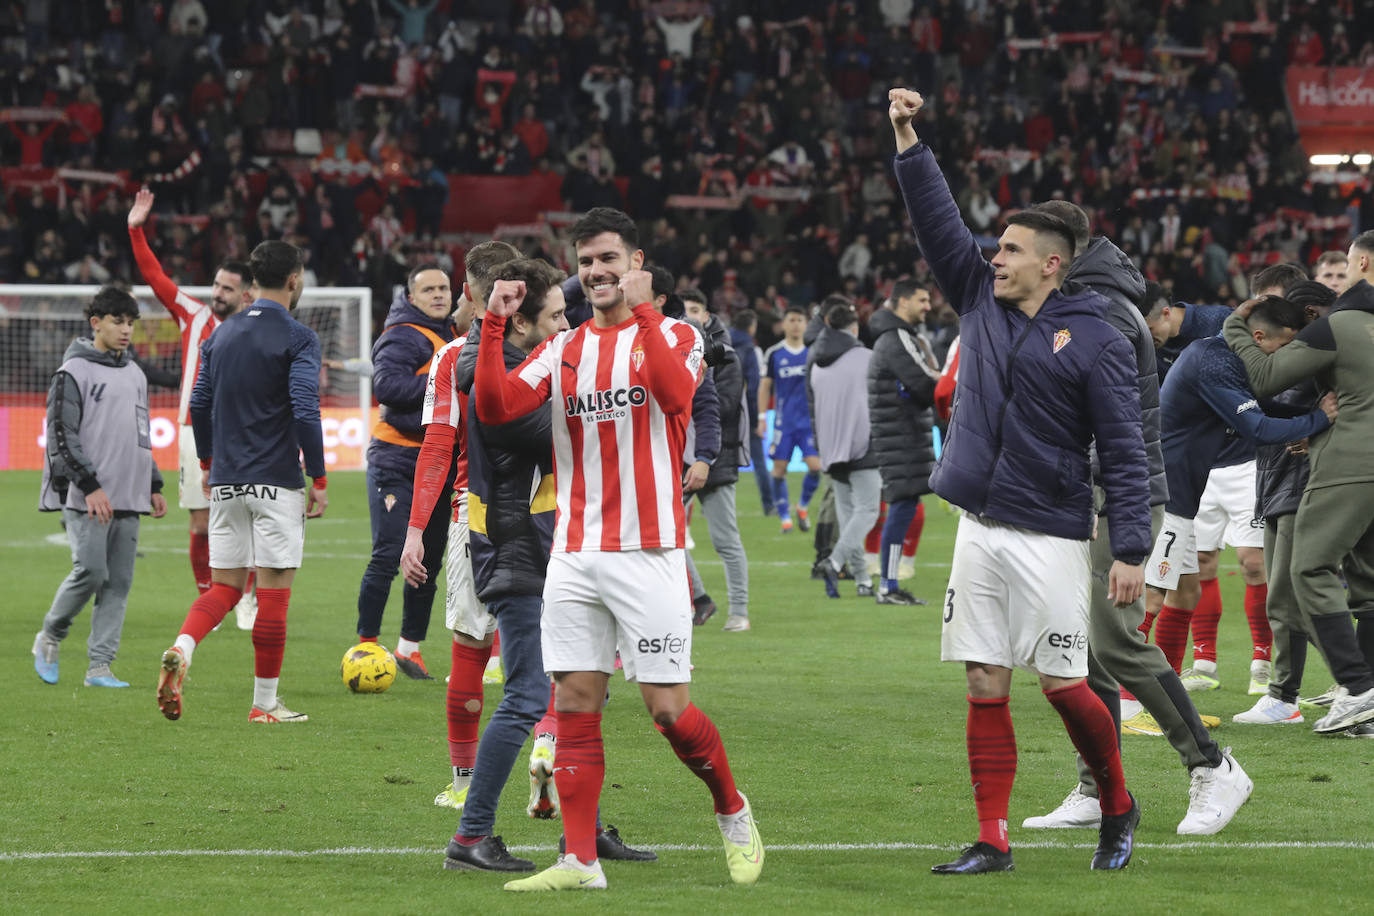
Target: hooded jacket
(837,392)
(1034,392)
(901,394)
(729,380)
(511,499)
(747,354)
(97,433)
(400,369)
(1106,269)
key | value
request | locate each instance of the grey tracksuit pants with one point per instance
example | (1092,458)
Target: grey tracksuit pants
(718,504)
(1118,655)
(858,501)
(103,566)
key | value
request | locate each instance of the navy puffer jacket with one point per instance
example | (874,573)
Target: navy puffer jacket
(1033,392)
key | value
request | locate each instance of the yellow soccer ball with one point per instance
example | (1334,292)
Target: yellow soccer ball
(368,668)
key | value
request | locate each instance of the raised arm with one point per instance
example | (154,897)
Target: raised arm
(960,269)
(166,291)
(503,396)
(673,370)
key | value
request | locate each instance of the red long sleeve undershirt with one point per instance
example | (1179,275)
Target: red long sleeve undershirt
(431,470)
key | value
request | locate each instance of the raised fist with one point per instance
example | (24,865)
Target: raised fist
(903,105)
(506,296)
(638,287)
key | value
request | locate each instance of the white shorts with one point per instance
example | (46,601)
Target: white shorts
(463,612)
(190,476)
(1175,553)
(1017,599)
(637,601)
(256,525)
(1226,514)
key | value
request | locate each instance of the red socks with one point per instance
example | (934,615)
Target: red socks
(696,742)
(1090,726)
(1256,598)
(873,542)
(578,771)
(548,725)
(1206,618)
(209,609)
(1171,634)
(991,765)
(200,561)
(913,531)
(269,631)
(463,705)
(1146,624)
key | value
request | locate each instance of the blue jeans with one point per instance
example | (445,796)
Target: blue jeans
(525,700)
(389,526)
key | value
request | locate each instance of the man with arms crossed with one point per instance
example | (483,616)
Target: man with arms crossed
(621,387)
(255,410)
(1042,375)
(231,291)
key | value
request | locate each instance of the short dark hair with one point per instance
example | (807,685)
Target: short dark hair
(1330,257)
(745,319)
(1311,294)
(1046,225)
(241,268)
(539,277)
(481,263)
(410,280)
(663,280)
(840,316)
(605,219)
(1364,241)
(1273,313)
(1153,299)
(905,288)
(273,262)
(111,300)
(1074,217)
(1282,275)
(795,310)
(692,294)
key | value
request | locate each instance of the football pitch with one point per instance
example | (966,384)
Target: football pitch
(842,726)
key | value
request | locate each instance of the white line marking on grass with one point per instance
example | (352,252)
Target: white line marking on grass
(1187,846)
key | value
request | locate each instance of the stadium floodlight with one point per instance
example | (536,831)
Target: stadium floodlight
(1361,159)
(41,320)
(1328,159)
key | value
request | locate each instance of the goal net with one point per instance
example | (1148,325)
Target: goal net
(37,323)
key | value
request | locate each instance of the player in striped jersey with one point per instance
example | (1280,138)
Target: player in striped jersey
(622,387)
(230,292)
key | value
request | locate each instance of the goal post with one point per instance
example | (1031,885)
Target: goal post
(38,323)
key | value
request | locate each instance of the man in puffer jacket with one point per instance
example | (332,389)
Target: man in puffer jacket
(837,390)
(901,392)
(1041,377)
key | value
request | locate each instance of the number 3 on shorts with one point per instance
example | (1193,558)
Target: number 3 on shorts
(949,605)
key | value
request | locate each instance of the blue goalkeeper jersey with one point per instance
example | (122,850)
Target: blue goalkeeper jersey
(787,368)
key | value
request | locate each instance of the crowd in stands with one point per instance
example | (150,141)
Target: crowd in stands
(750,138)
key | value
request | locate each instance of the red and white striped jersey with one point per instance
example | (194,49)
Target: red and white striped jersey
(617,451)
(193,317)
(447,406)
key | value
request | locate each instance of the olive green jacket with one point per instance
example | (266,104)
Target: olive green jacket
(1338,351)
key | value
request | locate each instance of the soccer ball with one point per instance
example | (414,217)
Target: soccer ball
(367,668)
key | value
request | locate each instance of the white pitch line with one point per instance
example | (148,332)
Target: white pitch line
(794,847)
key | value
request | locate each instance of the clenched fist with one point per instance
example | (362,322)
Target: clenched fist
(506,296)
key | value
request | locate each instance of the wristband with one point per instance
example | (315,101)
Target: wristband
(318,483)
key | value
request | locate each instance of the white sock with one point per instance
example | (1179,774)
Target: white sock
(462,778)
(265,692)
(406,647)
(736,826)
(187,644)
(1205,667)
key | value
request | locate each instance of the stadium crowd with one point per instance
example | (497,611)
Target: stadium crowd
(1169,127)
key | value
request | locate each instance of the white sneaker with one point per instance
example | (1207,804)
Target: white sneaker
(1215,796)
(1324,699)
(906,568)
(736,624)
(1361,731)
(246,611)
(1130,709)
(1347,711)
(543,792)
(1259,677)
(1269,711)
(1077,810)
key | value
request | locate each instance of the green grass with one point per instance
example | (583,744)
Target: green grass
(841,724)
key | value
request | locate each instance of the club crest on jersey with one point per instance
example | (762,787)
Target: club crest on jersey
(1061,339)
(637,356)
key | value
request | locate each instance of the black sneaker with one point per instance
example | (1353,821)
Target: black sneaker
(899,596)
(832,579)
(865,590)
(487,854)
(978,859)
(611,847)
(703,608)
(1116,838)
